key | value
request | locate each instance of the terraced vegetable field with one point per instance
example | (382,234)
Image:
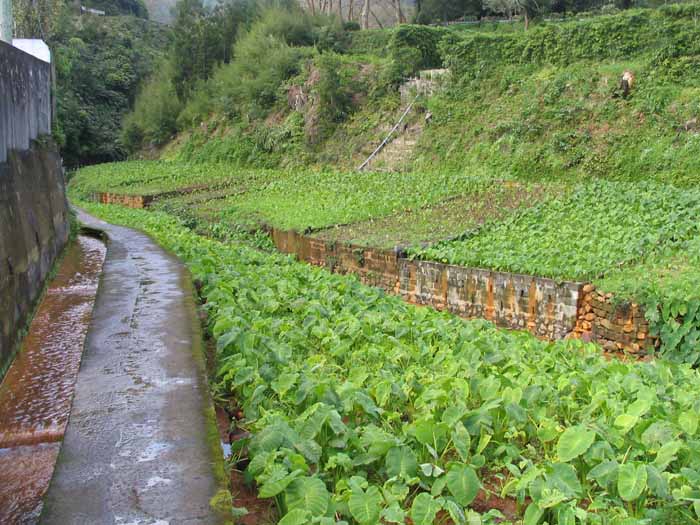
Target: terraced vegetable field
(364,409)
(599,227)
(302,200)
(608,232)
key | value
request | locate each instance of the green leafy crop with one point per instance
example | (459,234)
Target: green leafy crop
(364,409)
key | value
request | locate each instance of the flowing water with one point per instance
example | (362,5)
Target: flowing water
(36,394)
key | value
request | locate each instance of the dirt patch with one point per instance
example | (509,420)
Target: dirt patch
(447,219)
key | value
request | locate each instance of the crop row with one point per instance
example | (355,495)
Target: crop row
(364,409)
(299,200)
(154,177)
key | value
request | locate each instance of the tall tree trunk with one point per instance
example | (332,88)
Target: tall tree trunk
(400,18)
(340,10)
(365,15)
(351,11)
(527,20)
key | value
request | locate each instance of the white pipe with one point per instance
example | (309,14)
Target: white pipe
(386,140)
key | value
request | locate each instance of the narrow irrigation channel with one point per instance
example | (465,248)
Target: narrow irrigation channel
(36,394)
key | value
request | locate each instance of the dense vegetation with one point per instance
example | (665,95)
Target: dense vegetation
(531,159)
(363,408)
(100,63)
(558,238)
(303,200)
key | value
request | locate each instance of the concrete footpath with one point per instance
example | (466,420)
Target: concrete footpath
(141,445)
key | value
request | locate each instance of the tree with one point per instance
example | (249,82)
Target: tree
(431,11)
(365,14)
(527,8)
(204,38)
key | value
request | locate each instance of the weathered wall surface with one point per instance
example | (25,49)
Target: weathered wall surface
(34,228)
(25,99)
(616,326)
(542,306)
(545,307)
(129,201)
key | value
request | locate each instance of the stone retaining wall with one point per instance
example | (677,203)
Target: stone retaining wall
(34,228)
(128,201)
(374,267)
(616,326)
(542,306)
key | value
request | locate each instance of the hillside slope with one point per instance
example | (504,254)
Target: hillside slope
(531,160)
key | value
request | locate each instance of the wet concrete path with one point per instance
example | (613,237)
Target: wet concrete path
(36,393)
(138,448)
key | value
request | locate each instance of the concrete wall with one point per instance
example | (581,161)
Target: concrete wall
(34,228)
(25,99)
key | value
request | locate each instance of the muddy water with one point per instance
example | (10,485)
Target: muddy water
(36,394)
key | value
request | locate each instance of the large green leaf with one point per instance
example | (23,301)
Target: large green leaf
(533,514)
(461,441)
(667,454)
(296,517)
(366,506)
(309,494)
(424,509)
(463,484)
(688,421)
(574,442)
(277,482)
(631,481)
(401,461)
(394,514)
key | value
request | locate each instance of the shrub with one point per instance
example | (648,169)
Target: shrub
(369,42)
(154,119)
(423,38)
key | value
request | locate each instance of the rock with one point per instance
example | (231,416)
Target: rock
(588,288)
(609,346)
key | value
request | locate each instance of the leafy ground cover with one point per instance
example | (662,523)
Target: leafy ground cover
(450,218)
(154,177)
(365,409)
(602,225)
(301,199)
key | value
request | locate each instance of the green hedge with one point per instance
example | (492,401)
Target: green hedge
(369,42)
(624,35)
(425,39)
